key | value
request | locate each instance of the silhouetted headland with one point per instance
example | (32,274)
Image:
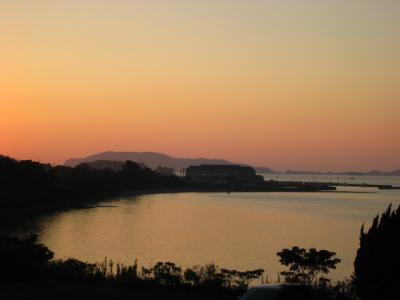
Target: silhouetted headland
(30,188)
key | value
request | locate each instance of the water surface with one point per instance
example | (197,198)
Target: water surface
(237,230)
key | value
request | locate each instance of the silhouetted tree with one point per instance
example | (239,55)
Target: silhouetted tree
(249,276)
(191,276)
(305,266)
(377,264)
(167,273)
(22,259)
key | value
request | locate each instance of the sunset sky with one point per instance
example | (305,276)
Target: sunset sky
(305,84)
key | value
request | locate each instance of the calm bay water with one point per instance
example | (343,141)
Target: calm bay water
(237,230)
(390,180)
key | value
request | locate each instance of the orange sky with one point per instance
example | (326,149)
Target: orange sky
(285,84)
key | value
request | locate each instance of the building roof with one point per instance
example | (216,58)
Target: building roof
(218,167)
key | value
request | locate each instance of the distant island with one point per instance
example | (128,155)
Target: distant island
(153,160)
(150,159)
(349,173)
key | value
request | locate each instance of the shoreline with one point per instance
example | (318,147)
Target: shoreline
(11,217)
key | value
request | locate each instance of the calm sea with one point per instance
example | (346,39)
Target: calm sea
(237,230)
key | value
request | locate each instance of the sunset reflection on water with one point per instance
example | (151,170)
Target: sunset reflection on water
(239,230)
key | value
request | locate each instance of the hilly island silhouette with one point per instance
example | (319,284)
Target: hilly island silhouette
(150,159)
(153,160)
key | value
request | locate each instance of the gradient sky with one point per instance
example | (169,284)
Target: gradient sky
(288,84)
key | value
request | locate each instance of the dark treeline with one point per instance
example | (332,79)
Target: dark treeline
(30,186)
(26,261)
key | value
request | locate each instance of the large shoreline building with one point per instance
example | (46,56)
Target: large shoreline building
(223,174)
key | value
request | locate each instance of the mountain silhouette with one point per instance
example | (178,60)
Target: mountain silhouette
(111,159)
(150,159)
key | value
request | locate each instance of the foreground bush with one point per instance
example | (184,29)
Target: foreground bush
(23,259)
(26,260)
(377,265)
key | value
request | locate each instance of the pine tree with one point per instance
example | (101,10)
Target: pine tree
(377,265)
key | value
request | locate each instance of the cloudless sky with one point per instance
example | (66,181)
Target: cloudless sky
(288,84)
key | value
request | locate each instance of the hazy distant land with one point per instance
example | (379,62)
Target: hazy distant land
(150,159)
(111,159)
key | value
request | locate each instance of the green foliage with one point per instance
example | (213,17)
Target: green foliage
(306,266)
(377,264)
